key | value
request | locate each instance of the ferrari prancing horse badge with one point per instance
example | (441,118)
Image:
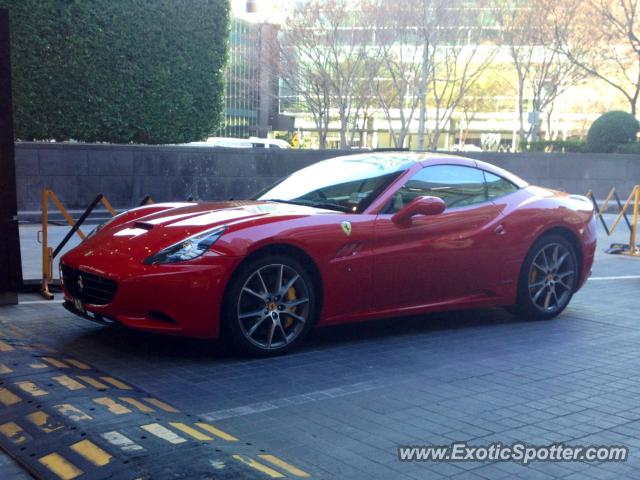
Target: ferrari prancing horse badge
(346,228)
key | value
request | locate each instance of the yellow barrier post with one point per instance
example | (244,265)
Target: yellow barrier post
(47,261)
(108,206)
(47,252)
(634,198)
(634,226)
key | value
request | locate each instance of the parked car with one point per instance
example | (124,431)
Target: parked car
(251,142)
(467,147)
(348,239)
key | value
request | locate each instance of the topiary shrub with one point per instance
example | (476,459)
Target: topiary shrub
(610,130)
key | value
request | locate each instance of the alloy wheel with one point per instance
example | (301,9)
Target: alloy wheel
(273,306)
(552,278)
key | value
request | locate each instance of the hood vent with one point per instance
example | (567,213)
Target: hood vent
(143,225)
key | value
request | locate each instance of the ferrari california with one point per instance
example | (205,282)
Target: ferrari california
(352,238)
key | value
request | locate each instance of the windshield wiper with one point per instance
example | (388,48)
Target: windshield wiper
(279,200)
(309,203)
(330,206)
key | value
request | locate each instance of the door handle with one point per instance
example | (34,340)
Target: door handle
(499,230)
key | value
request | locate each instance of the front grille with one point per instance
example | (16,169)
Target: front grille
(87,287)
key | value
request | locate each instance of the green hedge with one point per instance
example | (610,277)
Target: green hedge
(118,70)
(630,148)
(611,130)
(554,146)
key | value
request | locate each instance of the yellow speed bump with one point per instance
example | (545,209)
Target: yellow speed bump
(216,431)
(163,433)
(183,427)
(38,365)
(287,467)
(258,466)
(68,382)
(137,404)
(113,406)
(32,389)
(59,465)
(13,432)
(72,412)
(54,362)
(116,383)
(5,347)
(93,382)
(92,452)
(120,441)
(8,398)
(77,364)
(44,422)
(161,405)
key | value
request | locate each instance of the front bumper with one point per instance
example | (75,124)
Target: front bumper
(180,299)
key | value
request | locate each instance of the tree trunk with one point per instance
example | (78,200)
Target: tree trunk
(521,137)
(423,101)
(343,129)
(401,136)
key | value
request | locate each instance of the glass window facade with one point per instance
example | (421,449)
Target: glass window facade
(242,99)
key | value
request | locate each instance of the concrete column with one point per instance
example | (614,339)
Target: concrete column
(10,264)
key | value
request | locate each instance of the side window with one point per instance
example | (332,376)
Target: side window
(498,186)
(458,186)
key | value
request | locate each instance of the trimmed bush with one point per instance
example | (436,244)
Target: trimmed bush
(549,146)
(118,70)
(610,130)
(630,148)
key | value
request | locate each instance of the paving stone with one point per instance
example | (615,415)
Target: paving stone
(341,406)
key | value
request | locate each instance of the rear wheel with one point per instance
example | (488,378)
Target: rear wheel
(270,306)
(548,278)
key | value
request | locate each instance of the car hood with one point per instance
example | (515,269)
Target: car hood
(141,235)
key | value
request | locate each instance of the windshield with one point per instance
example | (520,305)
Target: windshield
(346,184)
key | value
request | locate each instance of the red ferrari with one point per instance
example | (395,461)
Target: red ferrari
(347,239)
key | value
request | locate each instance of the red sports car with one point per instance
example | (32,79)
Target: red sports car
(347,239)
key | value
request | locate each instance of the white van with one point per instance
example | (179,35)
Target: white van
(251,142)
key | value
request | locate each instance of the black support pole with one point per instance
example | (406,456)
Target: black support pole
(10,264)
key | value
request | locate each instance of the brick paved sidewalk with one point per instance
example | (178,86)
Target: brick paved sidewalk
(340,407)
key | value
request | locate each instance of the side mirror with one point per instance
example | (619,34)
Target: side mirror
(419,206)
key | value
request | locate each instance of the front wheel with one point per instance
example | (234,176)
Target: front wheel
(270,306)
(548,278)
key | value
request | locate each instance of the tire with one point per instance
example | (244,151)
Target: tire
(547,280)
(261,320)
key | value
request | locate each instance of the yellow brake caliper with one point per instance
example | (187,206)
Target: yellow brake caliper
(291,296)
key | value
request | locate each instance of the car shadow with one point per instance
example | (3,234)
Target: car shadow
(127,343)
(124,342)
(406,326)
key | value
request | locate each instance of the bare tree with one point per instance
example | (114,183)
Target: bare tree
(326,43)
(603,38)
(364,97)
(305,70)
(346,41)
(398,45)
(531,33)
(481,98)
(459,57)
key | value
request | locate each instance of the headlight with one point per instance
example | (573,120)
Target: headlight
(187,249)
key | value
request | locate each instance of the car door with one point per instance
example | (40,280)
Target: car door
(438,258)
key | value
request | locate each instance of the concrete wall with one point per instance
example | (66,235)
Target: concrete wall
(126,173)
